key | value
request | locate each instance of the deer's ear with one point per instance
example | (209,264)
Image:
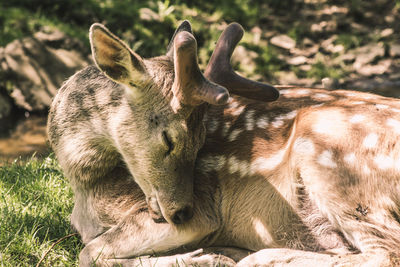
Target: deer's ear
(184,26)
(113,56)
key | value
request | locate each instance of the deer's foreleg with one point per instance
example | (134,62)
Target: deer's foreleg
(137,235)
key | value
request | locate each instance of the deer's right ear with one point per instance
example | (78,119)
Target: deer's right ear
(114,57)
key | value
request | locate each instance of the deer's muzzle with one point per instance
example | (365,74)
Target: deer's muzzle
(183,215)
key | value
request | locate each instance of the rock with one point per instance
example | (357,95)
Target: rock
(306,67)
(394,76)
(367,54)
(329,45)
(386,32)
(359,27)
(286,77)
(283,41)
(329,41)
(378,69)
(300,60)
(289,77)
(394,50)
(246,59)
(345,58)
(148,15)
(307,42)
(256,31)
(330,10)
(390,18)
(306,52)
(324,26)
(36,67)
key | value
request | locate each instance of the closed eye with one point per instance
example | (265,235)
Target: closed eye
(168,142)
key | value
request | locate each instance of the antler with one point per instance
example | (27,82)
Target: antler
(219,69)
(190,87)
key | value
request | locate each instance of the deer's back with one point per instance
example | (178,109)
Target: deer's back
(286,165)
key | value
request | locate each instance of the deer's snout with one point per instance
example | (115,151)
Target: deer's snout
(183,215)
(178,216)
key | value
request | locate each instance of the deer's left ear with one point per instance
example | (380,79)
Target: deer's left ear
(114,57)
(184,26)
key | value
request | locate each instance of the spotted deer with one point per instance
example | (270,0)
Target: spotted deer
(312,179)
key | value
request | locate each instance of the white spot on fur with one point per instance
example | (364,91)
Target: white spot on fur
(318,105)
(249,120)
(291,115)
(381,106)
(212,126)
(270,163)
(233,104)
(234,134)
(350,158)
(74,146)
(366,169)
(303,92)
(322,97)
(205,117)
(266,164)
(262,122)
(211,163)
(295,93)
(226,128)
(240,166)
(357,118)
(277,123)
(326,159)
(237,111)
(233,164)
(395,124)
(384,162)
(330,122)
(304,146)
(358,102)
(370,140)
(396,110)
(262,231)
(367,97)
(350,94)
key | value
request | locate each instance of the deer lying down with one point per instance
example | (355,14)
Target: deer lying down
(310,180)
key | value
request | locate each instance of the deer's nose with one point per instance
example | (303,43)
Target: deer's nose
(183,215)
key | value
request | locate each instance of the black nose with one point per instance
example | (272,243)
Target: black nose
(183,215)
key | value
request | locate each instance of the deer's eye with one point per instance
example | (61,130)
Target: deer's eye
(168,142)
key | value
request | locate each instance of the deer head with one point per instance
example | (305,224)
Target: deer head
(167,97)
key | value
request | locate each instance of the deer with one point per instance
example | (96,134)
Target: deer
(203,169)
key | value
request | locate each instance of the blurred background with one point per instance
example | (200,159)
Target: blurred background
(321,43)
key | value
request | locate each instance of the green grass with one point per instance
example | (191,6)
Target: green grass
(35,204)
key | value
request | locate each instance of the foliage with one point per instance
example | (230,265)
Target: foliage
(143,24)
(321,70)
(147,25)
(35,205)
